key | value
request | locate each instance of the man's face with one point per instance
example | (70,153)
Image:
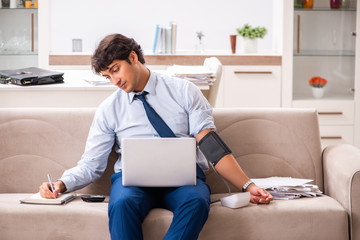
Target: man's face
(124,75)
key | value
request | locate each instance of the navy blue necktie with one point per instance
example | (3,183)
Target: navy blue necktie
(156,121)
(161,127)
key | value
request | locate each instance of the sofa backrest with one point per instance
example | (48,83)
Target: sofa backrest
(37,141)
(271,142)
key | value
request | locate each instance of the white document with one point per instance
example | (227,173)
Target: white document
(280,181)
(287,187)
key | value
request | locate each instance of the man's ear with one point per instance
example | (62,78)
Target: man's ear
(133,57)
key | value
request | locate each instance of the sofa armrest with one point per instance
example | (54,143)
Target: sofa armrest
(341,165)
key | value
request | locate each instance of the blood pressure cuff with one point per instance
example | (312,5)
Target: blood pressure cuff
(213,147)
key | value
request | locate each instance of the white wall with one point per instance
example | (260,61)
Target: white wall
(91,20)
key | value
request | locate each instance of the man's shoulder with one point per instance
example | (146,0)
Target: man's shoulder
(171,81)
(111,100)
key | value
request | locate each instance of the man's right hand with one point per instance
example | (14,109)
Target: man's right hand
(45,189)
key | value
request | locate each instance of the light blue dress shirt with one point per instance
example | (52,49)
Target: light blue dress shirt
(179,103)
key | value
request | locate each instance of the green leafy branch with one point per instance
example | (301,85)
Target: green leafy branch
(249,32)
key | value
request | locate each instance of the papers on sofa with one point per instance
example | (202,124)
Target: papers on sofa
(37,199)
(287,187)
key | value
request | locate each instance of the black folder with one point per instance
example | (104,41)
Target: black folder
(30,76)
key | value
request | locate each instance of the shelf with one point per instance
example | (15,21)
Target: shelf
(17,9)
(324,9)
(327,96)
(325,53)
(181,59)
(18,53)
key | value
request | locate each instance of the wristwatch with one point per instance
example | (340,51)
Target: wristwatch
(246,185)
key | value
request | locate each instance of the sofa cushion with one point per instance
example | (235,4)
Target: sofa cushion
(30,221)
(37,141)
(307,218)
(271,142)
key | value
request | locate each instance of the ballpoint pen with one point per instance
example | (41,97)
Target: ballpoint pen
(50,181)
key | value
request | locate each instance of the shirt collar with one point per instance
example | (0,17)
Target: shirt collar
(149,87)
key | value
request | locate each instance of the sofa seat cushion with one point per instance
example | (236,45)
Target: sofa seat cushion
(306,218)
(31,221)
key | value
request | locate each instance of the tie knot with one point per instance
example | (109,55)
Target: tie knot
(142,96)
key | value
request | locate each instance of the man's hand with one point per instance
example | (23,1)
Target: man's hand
(259,195)
(45,189)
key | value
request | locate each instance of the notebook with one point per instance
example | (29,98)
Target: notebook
(30,76)
(158,162)
(37,199)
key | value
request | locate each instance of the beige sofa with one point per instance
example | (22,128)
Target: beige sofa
(266,142)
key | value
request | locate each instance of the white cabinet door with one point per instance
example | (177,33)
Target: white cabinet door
(330,112)
(252,86)
(336,135)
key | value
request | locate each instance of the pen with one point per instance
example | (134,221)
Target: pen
(50,181)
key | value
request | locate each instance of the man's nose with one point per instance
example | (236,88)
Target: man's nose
(115,79)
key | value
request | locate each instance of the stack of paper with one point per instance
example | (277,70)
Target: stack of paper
(287,187)
(199,75)
(95,80)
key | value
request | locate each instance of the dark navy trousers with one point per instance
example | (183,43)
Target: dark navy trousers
(128,206)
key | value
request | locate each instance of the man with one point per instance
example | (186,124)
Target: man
(187,113)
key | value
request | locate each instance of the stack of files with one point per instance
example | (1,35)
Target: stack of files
(199,75)
(287,187)
(95,80)
(165,39)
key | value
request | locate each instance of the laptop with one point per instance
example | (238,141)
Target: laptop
(158,162)
(30,76)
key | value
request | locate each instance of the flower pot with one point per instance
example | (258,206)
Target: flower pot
(318,92)
(249,45)
(233,43)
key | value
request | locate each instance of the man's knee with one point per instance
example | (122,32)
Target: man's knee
(198,204)
(121,203)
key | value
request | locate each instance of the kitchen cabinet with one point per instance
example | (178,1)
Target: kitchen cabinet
(324,43)
(251,86)
(18,37)
(336,119)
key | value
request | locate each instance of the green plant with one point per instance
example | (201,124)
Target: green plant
(249,32)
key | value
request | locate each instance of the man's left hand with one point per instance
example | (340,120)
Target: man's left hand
(259,195)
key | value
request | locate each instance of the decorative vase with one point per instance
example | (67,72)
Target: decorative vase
(249,45)
(334,4)
(344,3)
(318,92)
(233,43)
(298,4)
(308,4)
(13,4)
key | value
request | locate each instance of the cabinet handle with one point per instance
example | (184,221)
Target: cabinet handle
(248,72)
(353,33)
(331,137)
(32,32)
(298,35)
(330,113)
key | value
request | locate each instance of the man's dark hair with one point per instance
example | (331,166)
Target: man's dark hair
(115,47)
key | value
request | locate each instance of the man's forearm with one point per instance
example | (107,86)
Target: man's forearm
(227,166)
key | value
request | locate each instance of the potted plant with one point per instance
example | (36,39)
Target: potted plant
(249,37)
(317,83)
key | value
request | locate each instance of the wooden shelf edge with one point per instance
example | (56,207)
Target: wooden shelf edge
(174,59)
